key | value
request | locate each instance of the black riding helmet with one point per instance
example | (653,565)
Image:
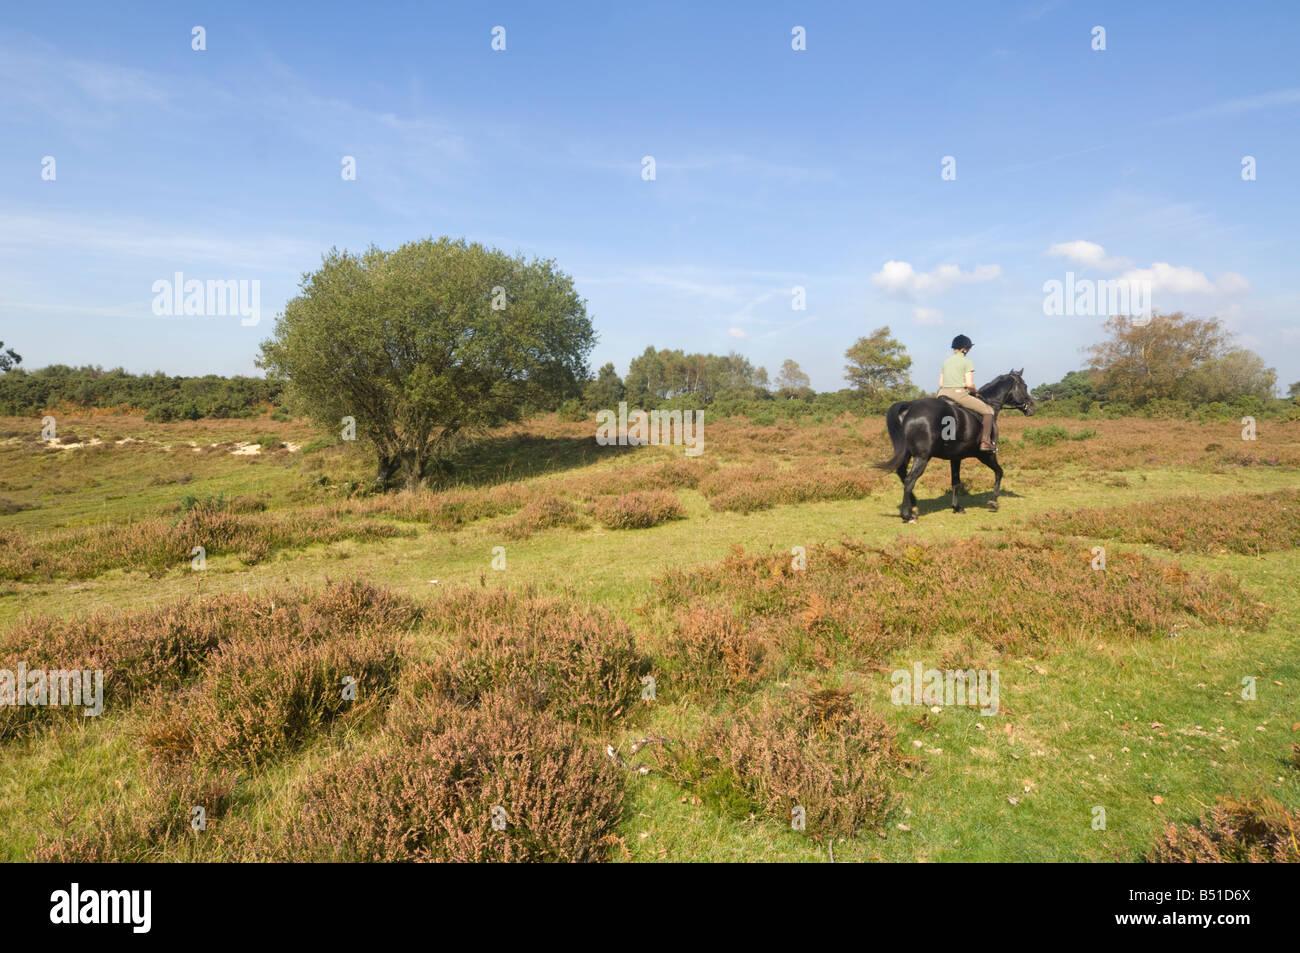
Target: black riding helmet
(962,341)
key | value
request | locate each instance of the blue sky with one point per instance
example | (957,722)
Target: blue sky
(773,168)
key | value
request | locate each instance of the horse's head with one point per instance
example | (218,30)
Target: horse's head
(1018,396)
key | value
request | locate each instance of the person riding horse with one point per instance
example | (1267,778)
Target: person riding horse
(932,427)
(957,383)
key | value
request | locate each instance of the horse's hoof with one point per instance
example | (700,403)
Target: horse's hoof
(959,509)
(910,519)
(993,506)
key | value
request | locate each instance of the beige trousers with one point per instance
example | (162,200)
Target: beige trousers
(968,400)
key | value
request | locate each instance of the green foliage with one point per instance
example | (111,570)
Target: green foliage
(697,380)
(9,358)
(1054,433)
(605,391)
(29,393)
(1175,358)
(878,364)
(427,342)
(1074,386)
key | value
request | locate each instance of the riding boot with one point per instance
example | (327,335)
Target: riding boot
(986,434)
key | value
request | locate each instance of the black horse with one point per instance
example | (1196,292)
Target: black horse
(936,427)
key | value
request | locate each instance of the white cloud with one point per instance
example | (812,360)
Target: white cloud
(737,332)
(1088,254)
(1179,279)
(901,279)
(927,315)
(1163,277)
(1232,283)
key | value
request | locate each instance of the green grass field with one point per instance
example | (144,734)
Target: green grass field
(1150,726)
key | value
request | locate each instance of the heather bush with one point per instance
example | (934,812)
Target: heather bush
(711,651)
(820,750)
(158,544)
(677,474)
(1246,523)
(545,512)
(746,489)
(580,665)
(145,821)
(434,796)
(167,647)
(638,509)
(262,698)
(1233,831)
(859,603)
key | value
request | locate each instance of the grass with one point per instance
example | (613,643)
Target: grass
(1148,723)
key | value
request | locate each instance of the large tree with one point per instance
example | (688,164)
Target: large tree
(1144,361)
(435,339)
(878,364)
(1238,373)
(792,381)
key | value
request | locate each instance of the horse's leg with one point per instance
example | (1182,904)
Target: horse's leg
(902,478)
(913,475)
(956,484)
(990,460)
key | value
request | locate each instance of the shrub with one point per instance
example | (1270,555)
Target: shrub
(820,751)
(133,825)
(167,647)
(1045,436)
(1246,523)
(1234,831)
(547,512)
(434,796)
(582,666)
(746,489)
(711,651)
(638,510)
(157,545)
(260,698)
(857,603)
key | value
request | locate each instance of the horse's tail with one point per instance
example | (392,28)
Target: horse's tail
(894,422)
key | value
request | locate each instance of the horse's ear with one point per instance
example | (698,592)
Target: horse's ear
(1019,372)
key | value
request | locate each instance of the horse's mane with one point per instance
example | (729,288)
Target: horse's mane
(997,382)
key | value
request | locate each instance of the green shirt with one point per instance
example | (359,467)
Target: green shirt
(955,369)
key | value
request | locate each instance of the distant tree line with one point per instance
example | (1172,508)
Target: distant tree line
(162,398)
(1173,365)
(877,371)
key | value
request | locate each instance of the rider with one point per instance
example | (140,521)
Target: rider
(957,383)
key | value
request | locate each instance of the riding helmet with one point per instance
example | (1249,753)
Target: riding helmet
(962,341)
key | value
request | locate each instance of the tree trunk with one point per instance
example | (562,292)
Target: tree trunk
(384,474)
(412,464)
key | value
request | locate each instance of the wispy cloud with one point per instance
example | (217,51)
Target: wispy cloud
(1237,107)
(133,240)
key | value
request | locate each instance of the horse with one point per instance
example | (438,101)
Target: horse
(937,427)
